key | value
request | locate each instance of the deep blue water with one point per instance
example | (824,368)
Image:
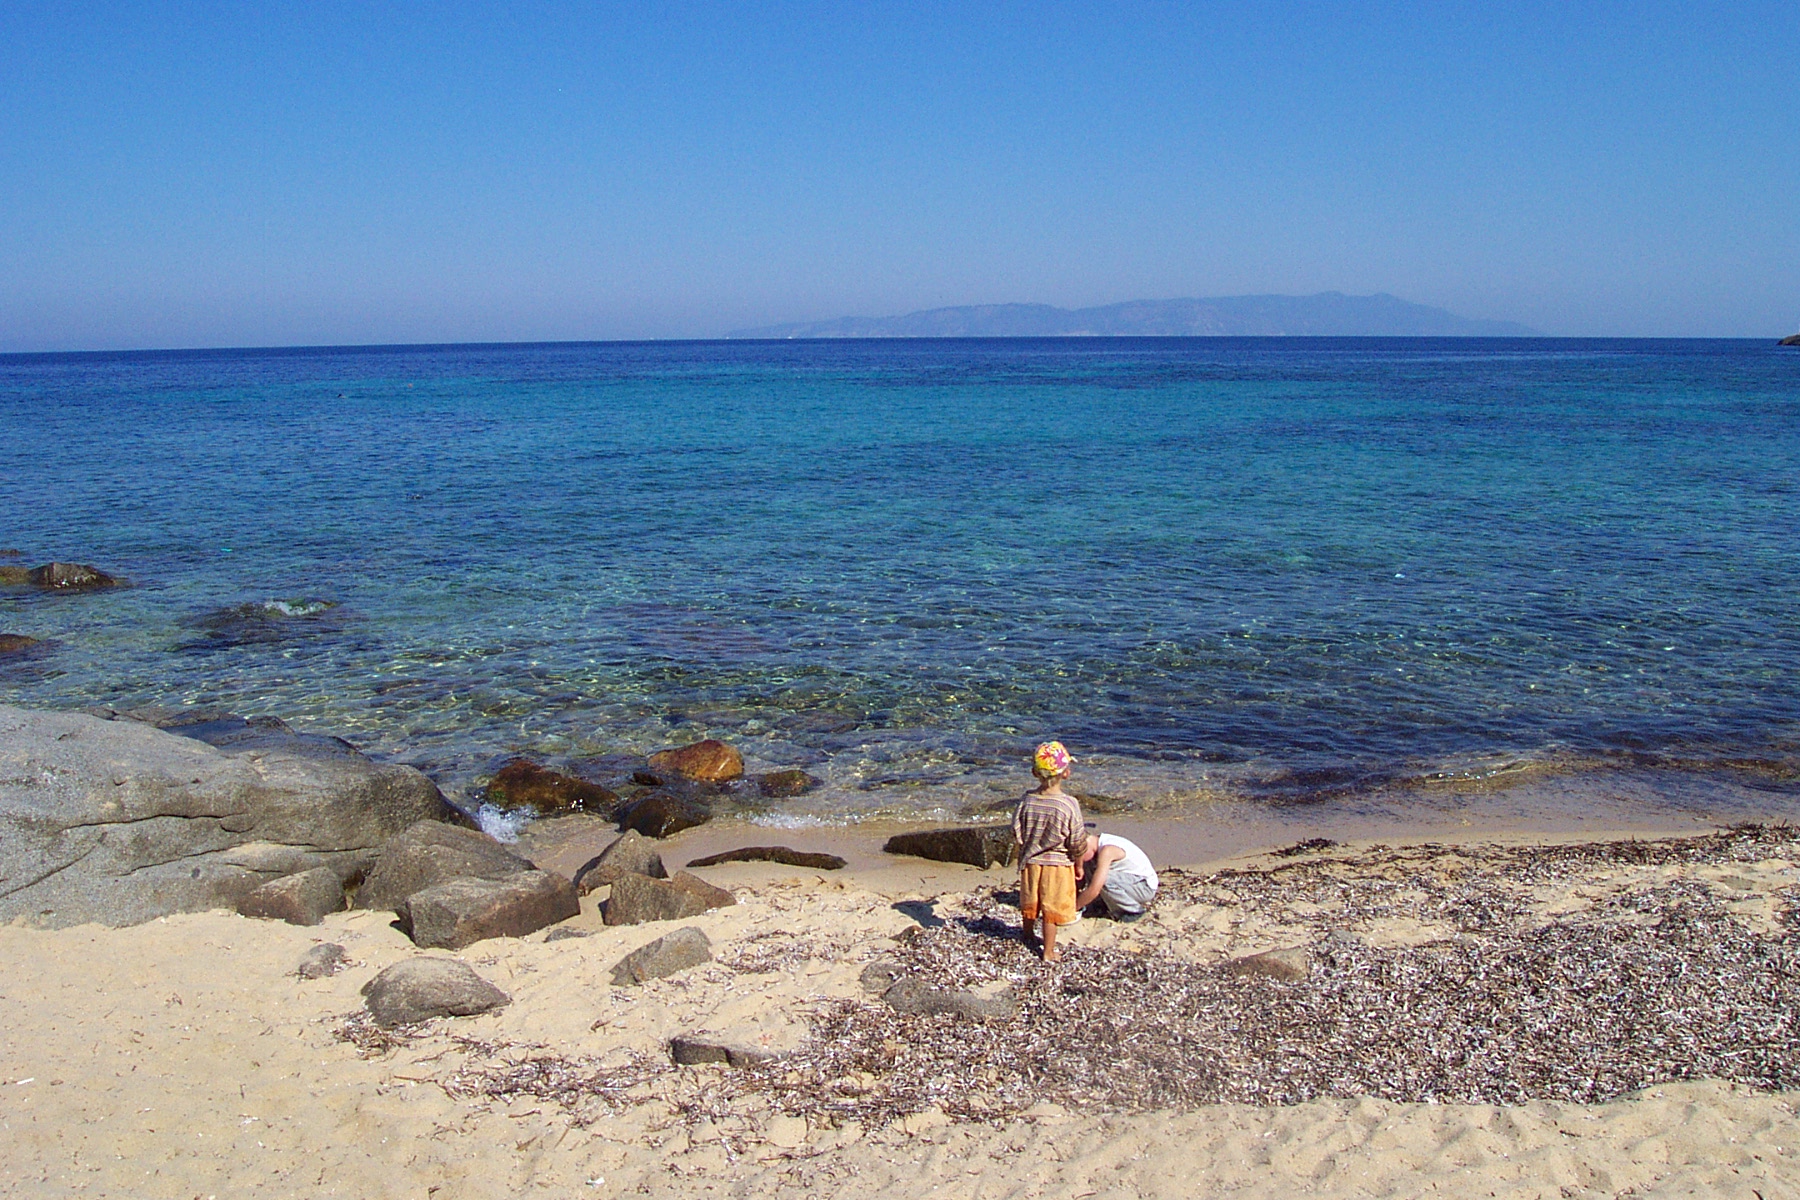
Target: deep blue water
(1263,566)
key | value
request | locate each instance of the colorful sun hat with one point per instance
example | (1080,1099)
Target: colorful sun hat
(1052,758)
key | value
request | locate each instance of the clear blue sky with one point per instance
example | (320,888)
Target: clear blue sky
(269,173)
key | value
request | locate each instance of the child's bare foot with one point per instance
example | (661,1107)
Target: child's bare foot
(1053,956)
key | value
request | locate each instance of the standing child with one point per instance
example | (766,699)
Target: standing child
(1051,838)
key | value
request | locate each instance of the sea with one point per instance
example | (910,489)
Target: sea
(1334,574)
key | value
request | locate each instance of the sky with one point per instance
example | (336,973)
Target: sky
(227,174)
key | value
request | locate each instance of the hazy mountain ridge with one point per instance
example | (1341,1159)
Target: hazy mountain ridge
(1325,314)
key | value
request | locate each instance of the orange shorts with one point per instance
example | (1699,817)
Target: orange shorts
(1049,889)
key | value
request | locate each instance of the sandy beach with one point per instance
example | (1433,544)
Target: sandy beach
(185,1057)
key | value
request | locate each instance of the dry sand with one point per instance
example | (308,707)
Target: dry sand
(184,1058)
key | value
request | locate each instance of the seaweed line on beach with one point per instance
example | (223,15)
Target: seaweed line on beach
(1655,981)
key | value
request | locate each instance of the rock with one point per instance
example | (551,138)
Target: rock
(69,576)
(18,576)
(323,961)
(430,853)
(879,976)
(793,782)
(302,899)
(522,783)
(666,956)
(774,854)
(631,853)
(264,622)
(646,779)
(1792,339)
(659,814)
(710,761)
(563,933)
(11,553)
(13,643)
(638,898)
(1289,964)
(419,989)
(912,995)
(978,845)
(117,822)
(460,912)
(693,1049)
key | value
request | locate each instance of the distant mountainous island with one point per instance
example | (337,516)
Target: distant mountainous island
(1327,314)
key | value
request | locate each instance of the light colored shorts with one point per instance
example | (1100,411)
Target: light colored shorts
(1047,889)
(1127,894)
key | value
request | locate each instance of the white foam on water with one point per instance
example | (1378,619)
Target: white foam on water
(501,824)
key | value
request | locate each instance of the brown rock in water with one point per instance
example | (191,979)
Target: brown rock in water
(419,989)
(522,783)
(710,761)
(774,854)
(9,553)
(792,782)
(460,912)
(659,814)
(638,898)
(429,853)
(632,853)
(305,898)
(1792,339)
(12,643)
(667,955)
(15,575)
(1289,964)
(69,575)
(978,845)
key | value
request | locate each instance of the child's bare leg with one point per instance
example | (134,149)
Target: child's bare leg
(1051,953)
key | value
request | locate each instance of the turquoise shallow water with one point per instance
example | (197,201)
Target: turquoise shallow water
(1277,569)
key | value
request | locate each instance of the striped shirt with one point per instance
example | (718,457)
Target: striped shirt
(1049,830)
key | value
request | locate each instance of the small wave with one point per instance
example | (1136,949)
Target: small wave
(503,825)
(296,608)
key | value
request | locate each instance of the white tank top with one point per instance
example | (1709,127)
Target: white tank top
(1135,862)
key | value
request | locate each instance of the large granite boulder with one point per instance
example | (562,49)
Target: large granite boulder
(978,845)
(660,814)
(418,989)
(303,899)
(630,854)
(461,912)
(638,898)
(118,822)
(522,783)
(429,853)
(710,761)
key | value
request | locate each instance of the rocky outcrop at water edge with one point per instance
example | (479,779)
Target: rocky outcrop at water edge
(428,853)
(116,821)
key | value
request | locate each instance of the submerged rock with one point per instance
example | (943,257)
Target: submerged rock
(791,782)
(659,814)
(305,898)
(419,989)
(667,955)
(15,643)
(638,898)
(461,912)
(117,822)
(263,622)
(631,853)
(522,783)
(710,761)
(980,846)
(69,576)
(429,853)
(774,854)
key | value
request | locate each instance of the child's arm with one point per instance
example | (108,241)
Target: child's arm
(1098,867)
